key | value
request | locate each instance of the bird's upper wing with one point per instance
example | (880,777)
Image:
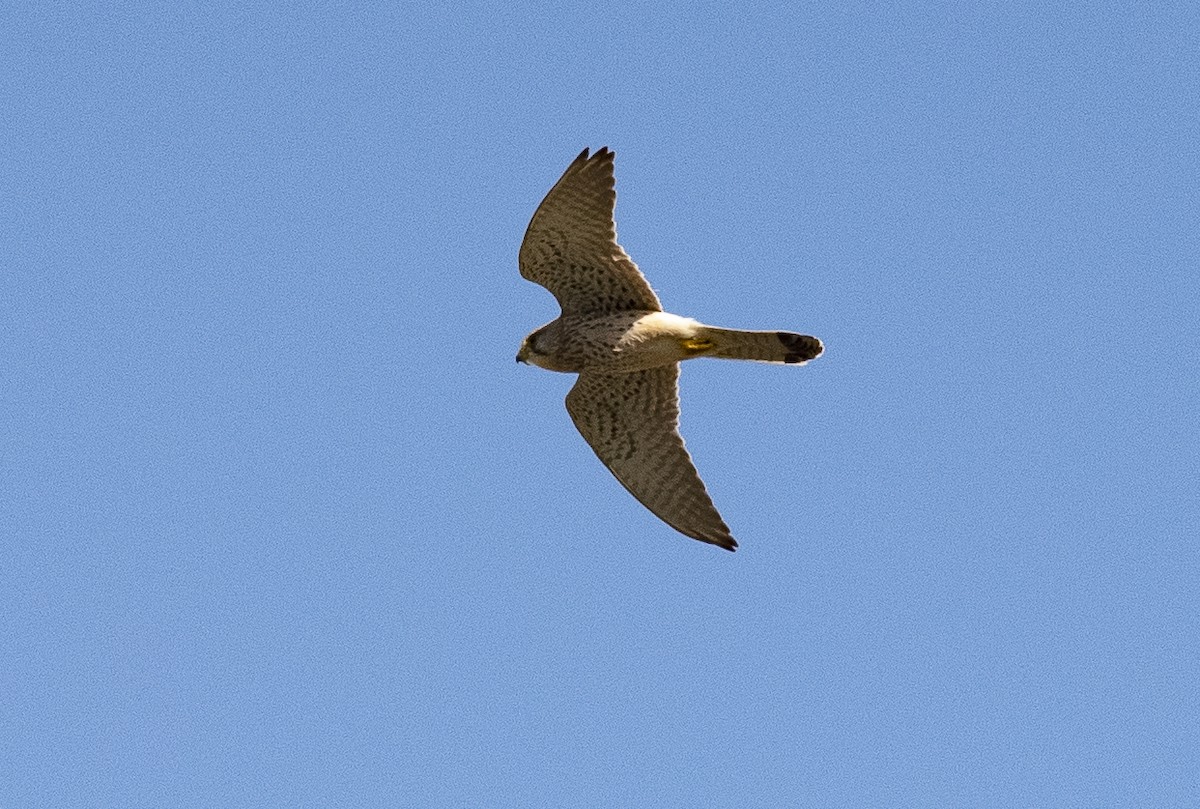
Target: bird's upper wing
(571,249)
(632,422)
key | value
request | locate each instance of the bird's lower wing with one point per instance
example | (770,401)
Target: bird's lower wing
(632,422)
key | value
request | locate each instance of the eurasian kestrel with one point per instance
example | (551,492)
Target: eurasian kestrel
(626,350)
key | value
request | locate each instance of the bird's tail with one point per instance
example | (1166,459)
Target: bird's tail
(761,346)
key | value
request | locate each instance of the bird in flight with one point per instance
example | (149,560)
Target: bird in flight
(626,350)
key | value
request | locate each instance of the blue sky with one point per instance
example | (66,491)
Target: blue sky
(287,526)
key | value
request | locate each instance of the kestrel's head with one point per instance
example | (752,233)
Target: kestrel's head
(539,348)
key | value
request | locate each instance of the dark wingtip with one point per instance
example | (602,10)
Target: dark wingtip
(586,161)
(726,543)
(799,347)
(723,541)
(600,154)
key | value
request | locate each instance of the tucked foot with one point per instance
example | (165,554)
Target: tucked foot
(696,345)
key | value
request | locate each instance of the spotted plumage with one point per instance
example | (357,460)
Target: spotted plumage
(626,350)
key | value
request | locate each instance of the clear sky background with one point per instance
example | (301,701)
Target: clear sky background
(285,525)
